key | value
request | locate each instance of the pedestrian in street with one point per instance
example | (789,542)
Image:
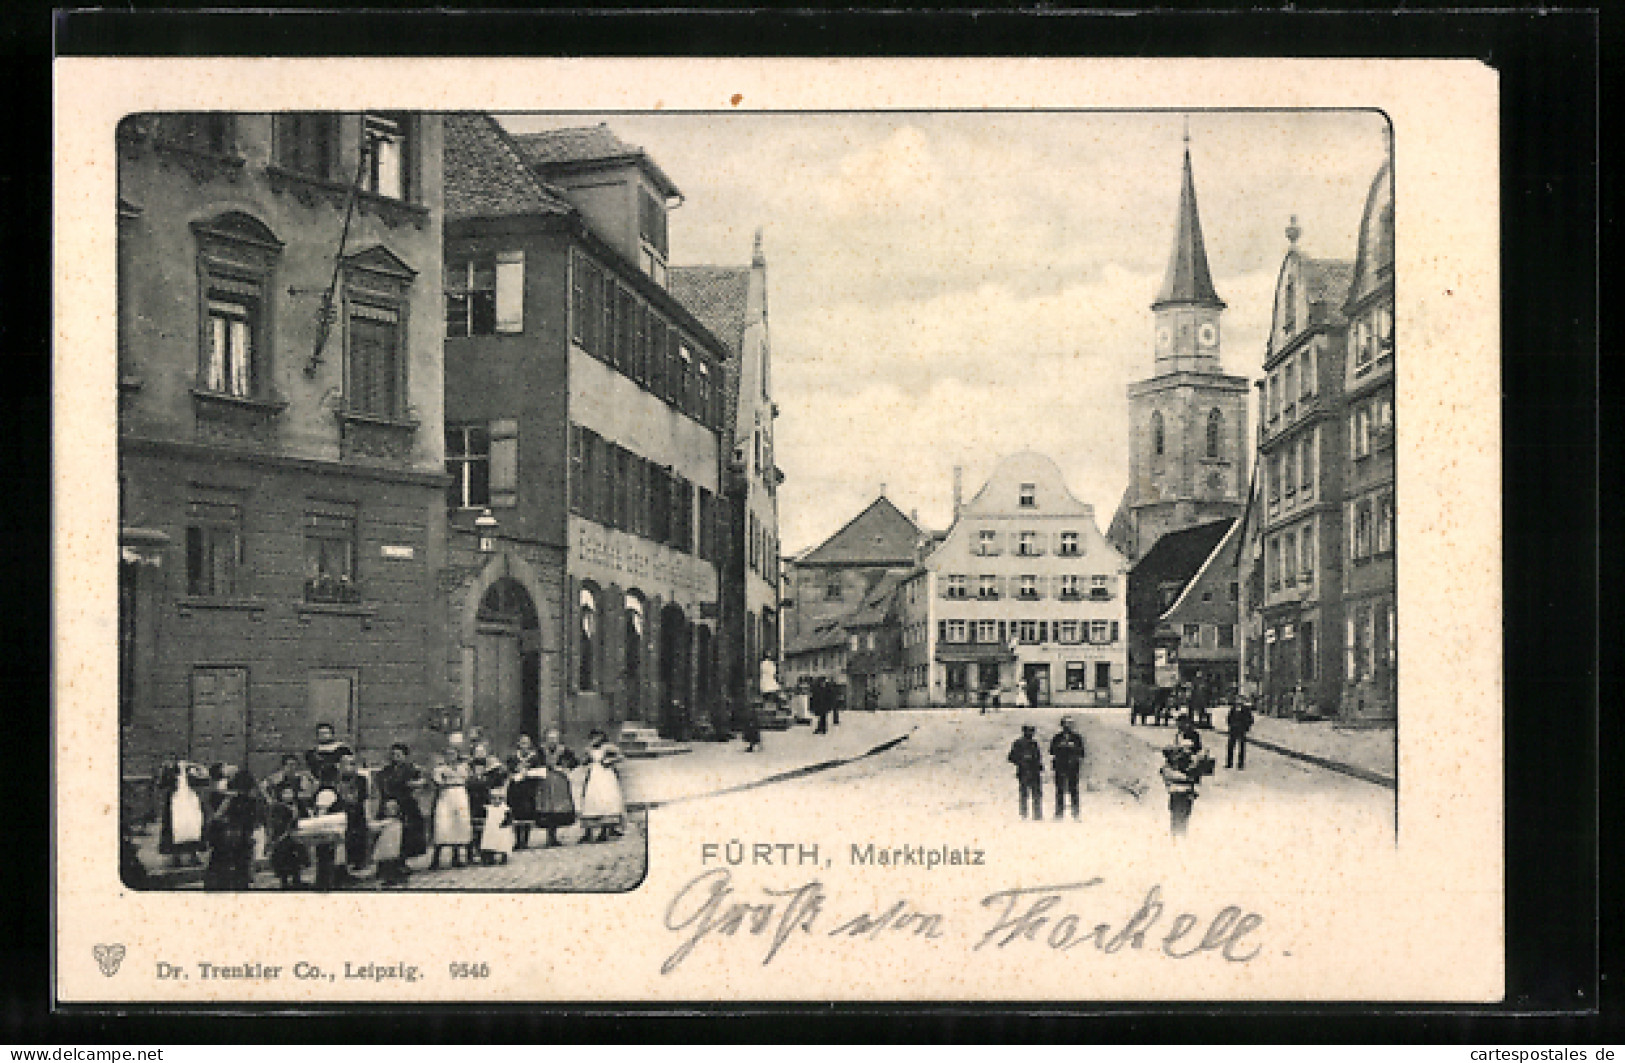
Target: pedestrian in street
(180,831)
(327,752)
(288,855)
(820,705)
(1186,733)
(1199,701)
(453,826)
(523,783)
(555,803)
(1181,781)
(1238,723)
(399,781)
(981,699)
(1066,757)
(1032,692)
(996,699)
(836,696)
(603,807)
(230,834)
(751,728)
(1028,758)
(389,862)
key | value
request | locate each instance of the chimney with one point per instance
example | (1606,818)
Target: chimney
(959,489)
(914,516)
(883,489)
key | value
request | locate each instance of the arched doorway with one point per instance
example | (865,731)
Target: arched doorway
(632,645)
(507,664)
(674,673)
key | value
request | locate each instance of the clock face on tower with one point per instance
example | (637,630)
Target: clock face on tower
(1207,335)
(1165,338)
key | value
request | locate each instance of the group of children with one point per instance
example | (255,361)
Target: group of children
(328,808)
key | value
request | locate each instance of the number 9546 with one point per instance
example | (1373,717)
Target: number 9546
(471,970)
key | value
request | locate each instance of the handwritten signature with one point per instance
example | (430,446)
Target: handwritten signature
(708,906)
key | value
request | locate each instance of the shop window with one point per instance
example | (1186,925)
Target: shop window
(1077,675)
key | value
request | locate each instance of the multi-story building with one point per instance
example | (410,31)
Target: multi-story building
(1298,522)
(583,417)
(732,302)
(832,579)
(1023,590)
(281,474)
(1317,552)
(1188,440)
(1183,601)
(874,647)
(1370,618)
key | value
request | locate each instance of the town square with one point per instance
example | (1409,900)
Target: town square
(491,485)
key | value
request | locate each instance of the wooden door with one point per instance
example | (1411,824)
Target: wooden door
(498,684)
(331,695)
(219,732)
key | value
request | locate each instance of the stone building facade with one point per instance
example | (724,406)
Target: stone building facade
(280,461)
(584,413)
(1024,590)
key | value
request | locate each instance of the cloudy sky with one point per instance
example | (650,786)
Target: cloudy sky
(948,288)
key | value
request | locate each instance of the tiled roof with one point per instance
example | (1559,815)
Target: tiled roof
(880,535)
(577,144)
(1375,255)
(717,295)
(1174,558)
(563,147)
(877,603)
(826,636)
(485,175)
(1326,280)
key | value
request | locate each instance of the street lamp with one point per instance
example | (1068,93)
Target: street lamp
(486,526)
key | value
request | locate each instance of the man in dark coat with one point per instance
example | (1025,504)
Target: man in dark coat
(1028,758)
(1066,755)
(1239,722)
(820,705)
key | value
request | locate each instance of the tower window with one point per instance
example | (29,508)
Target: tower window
(1215,431)
(1157,439)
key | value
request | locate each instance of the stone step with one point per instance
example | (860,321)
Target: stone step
(635,741)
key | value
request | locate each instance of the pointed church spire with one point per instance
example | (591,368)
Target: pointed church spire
(1188,281)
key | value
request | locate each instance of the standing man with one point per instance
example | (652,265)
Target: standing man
(820,705)
(1029,762)
(1239,722)
(1066,755)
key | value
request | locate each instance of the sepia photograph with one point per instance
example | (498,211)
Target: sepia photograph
(964,537)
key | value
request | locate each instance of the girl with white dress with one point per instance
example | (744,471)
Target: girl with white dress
(453,826)
(603,807)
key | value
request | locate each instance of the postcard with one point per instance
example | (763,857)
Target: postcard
(794,530)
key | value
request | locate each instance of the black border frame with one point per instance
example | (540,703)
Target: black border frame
(1554,462)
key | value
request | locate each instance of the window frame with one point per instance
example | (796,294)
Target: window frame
(322,586)
(204,522)
(237,259)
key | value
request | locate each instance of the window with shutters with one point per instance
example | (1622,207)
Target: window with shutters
(1028,546)
(330,556)
(214,549)
(1071,587)
(1100,631)
(375,362)
(987,542)
(957,587)
(1027,632)
(956,631)
(1067,631)
(988,588)
(485,294)
(1100,589)
(987,631)
(468,463)
(1070,544)
(1029,588)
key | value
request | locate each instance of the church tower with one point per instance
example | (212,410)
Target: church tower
(1188,432)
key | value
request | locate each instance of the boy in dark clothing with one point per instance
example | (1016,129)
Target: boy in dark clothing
(1066,753)
(1028,758)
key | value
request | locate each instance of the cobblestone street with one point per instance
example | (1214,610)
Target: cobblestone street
(607,867)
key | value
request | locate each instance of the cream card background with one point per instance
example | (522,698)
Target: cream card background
(1420,920)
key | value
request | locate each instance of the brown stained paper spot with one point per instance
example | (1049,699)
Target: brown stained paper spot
(735,98)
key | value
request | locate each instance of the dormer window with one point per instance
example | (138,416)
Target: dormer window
(1289,312)
(1029,496)
(652,236)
